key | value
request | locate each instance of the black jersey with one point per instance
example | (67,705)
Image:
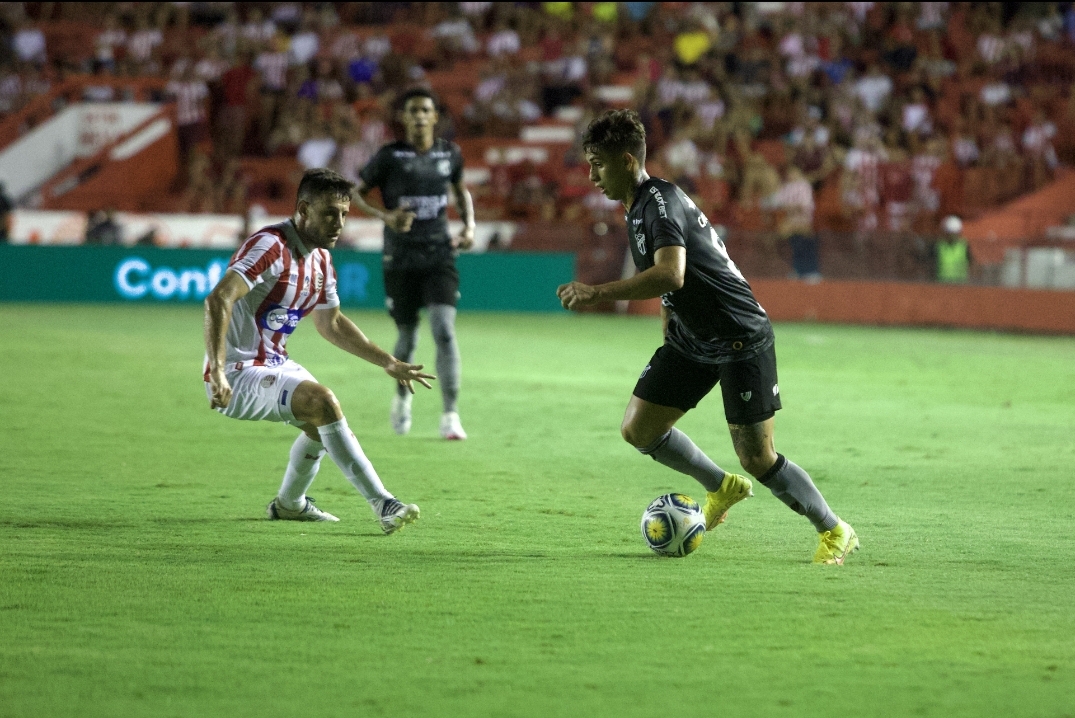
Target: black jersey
(417,181)
(714,316)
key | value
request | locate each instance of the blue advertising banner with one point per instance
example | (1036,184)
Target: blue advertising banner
(494,281)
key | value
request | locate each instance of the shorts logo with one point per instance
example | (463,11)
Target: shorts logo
(643,374)
(776,389)
(444,167)
(640,240)
(268,381)
(745,396)
(280,319)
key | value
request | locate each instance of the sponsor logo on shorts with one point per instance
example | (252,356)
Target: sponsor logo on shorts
(643,374)
(745,396)
(776,389)
(640,240)
(275,360)
(268,381)
(280,319)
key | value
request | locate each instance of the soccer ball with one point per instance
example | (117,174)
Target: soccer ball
(673,525)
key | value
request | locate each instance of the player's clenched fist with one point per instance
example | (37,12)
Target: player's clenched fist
(576,294)
(220,391)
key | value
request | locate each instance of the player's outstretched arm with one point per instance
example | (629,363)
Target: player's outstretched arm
(666,275)
(218,306)
(342,332)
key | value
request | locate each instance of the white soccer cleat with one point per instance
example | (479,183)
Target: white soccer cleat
(393,514)
(400,414)
(309,512)
(450,427)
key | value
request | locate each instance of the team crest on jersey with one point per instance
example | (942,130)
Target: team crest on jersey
(280,319)
(640,240)
(444,167)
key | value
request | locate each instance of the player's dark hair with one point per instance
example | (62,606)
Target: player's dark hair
(413,93)
(320,182)
(616,131)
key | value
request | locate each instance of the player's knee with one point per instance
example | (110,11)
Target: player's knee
(635,435)
(325,407)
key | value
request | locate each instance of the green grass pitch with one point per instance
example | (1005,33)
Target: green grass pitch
(139,577)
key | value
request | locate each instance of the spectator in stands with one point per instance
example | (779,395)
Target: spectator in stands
(504,40)
(239,87)
(952,253)
(874,89)
(565,77)
(28,42)
(794,203)
(305,43)
(258,30)
(1038,145)
(862,179)
(271,64)
(143,48)
(454,38)
(109,43)
(191,96)
(292,128)
(691,43)
(11,95)
(319,148)
(103,229)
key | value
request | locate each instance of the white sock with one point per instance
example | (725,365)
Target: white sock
(345,450)
(301,469)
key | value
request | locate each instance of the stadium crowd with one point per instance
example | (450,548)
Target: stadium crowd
(836,115)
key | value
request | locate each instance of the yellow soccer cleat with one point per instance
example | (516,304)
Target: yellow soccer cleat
(836,544)
(732,490)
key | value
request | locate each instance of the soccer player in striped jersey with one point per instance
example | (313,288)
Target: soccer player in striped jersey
(714,332)
(278,276)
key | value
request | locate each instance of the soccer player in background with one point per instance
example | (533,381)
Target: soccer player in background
(714,331)
(414,176)
(278,276)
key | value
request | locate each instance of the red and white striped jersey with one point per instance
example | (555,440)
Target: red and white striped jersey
(190,99)
(287,281)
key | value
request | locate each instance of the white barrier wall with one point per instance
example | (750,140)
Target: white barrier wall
(78,131)
(210,231)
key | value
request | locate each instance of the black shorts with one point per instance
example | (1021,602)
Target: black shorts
(751,393)
(408,290)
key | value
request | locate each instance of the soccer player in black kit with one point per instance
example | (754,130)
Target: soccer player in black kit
(414,176)
(714,331)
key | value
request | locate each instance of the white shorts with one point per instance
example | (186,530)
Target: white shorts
(262,393)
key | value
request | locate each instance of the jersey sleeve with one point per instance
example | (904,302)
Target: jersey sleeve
(375,171)
(329,297)
(259,259)
(457,164)
(665,219)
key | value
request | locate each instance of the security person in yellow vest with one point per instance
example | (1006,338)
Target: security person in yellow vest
(953,254)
